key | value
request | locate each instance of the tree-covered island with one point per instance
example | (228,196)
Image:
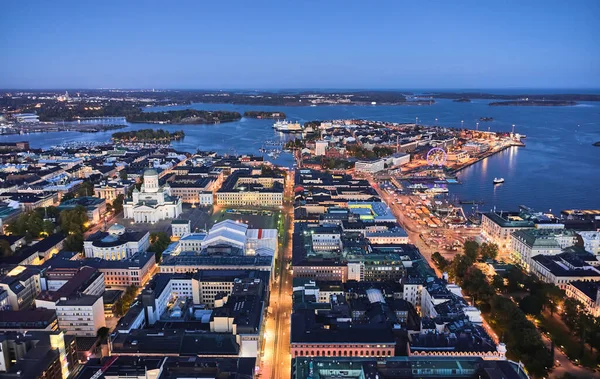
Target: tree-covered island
(264,114)
(187,116)
(148,135)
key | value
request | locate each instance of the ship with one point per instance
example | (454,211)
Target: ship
(498,180)
(287,127)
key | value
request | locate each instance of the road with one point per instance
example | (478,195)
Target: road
(414,235)
(276,360)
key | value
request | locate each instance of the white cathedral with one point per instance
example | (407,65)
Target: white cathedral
(153,203)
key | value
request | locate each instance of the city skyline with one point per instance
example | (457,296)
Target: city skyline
(334,45)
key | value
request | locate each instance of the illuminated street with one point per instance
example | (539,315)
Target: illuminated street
(276,360)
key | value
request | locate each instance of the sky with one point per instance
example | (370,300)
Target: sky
(206,44)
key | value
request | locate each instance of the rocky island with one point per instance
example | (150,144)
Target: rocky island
(264,114)
(462,100)
(148,135)
(534,103)
(187,116)
(597,144)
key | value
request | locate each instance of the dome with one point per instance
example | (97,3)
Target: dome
(150,172)
(116,229)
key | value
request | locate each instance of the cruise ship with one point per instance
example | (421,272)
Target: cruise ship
(287,127)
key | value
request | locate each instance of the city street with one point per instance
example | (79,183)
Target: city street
(276,360)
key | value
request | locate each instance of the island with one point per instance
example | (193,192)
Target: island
(264,114)
(534,103)
(462,100)
(486,119)
(597,144)
(186,116)
(148,135)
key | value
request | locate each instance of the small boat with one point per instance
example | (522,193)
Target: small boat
(498,180)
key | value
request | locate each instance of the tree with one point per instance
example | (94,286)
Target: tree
(458,268)
(118,203)
(488,251)
(102,333)
(471,250)
(5,250)
(85,189)
(531,305)
(123,174)
(498,283)
(441,262)
(74,242)
(158,243)
(30,225)
(74,221)
(475,283)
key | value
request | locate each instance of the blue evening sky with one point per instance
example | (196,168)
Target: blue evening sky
(300,44)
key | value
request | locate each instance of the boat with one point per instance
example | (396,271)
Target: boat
(287,127)
(498,180)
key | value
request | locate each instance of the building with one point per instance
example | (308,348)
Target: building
(321,147)
(242,188)
(591,241)
(564,268)
(28,320)
(587,293)
(391,236)
(14,146)
(527,243)
(94,206)
(136,270)
(404,367)
(109,191)
(116,244)
(80,281)
(369,166)
(180,228)
(193,189)
(22,285)
(81,315)
(150,367)
(36,354)
(153,202)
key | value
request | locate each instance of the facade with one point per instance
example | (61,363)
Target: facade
(81,315)
(193,189)
(244,189)
(591,241)
(116,244)
(369,167)
(525,244)
(22,285)
(563,268)
(498,227)
(153,202)
(180,228)
(110,190)
(321,147)
(587,293)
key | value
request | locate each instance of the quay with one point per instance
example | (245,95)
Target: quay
(487,155)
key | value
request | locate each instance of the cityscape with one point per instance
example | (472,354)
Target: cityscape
(304,229)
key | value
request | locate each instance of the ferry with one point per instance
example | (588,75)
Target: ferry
(287,127)
(498,180)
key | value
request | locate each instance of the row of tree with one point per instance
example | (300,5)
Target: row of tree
(148,135)
(523,340)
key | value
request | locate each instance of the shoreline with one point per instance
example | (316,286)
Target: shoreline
(487,155)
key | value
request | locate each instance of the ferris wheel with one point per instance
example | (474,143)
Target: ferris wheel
(436,156)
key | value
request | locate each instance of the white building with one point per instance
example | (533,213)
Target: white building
(321,147)
(591,241)
(525,244)
(116,244)
(180,228)
(371,166)
(81,316)
(153,203)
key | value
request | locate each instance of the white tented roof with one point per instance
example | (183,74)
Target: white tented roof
(261,233)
